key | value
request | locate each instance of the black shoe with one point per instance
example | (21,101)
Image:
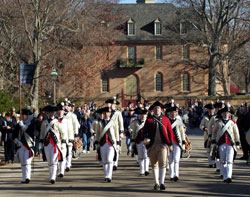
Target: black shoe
(162,187)
(23,182)
(52,181)
(27,181)
(146,173)
(60,176)
(141,174)
(217,170)
(156,187)
(67,169)
(229,180)
(210,166)
(176,179)
(171,179)
(114,168)
(108,180)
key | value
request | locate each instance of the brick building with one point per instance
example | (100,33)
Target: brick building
(156,55)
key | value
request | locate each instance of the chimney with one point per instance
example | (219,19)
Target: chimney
(145,1)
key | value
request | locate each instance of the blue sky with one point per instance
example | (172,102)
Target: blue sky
(134,1)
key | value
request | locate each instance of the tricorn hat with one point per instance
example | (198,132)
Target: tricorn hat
(112,101)
(209,106)
(140,111)
(60,106)
(50,108)
(25,112)
(156,103)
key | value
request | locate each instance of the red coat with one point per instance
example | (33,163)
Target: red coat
(149,130)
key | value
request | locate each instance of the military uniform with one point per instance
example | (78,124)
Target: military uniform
(207,138)
(158,137)
(74,126)
(53,136)
(23,139)
(107,137)
(226,136)
(136,129)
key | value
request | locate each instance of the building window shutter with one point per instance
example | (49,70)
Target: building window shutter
(185,82)
(105,82)
(158,82)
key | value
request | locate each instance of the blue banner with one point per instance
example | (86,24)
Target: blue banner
(27,72)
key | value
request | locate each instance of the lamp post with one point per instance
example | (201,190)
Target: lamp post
(54,76)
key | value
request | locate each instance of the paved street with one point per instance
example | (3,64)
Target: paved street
(86,178)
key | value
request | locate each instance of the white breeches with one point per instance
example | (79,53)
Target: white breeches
(117,157)
(107,154)
(52,159)
(62,164)
(25,161)
(226,158)
(142,157)
(69,157)
(174,160)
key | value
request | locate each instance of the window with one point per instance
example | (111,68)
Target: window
(158,27)
(131,27)
(185,52)
(105,82)
(183,28)
(158,52)
(185,82)
(158,82)
(131,54)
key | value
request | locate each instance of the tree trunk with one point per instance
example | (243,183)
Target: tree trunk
(212,76)
(247,81)
(35,97)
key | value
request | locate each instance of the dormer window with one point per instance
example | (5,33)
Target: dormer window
(158,27)
(183,28)
(131,27)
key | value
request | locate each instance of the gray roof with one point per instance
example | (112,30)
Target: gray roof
(144,16)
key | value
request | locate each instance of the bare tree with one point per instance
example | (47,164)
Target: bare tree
(216,18)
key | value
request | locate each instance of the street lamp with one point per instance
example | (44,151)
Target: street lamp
(54,76)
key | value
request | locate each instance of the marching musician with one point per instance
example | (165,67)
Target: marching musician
(211,124)
(23,139)
(53,138)
(226,136)
(136,128)
(116,117)
(64,125)
(158,137)
(204,127)
(179,143)
(107,137)
(74,124)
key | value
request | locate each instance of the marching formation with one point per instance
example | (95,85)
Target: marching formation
(155,133)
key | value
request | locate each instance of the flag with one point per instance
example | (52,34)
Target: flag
(27,72)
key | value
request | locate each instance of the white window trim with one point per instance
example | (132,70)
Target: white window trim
(157,21)
(130,21)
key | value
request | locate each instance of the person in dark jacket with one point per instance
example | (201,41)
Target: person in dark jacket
(86,123)
(8,128)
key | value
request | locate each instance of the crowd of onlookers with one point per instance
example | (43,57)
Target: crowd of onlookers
(86,114)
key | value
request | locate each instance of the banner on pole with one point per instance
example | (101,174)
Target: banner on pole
(27,72)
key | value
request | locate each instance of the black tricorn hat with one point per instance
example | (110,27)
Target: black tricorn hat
(140,111)
(60,106)
(112,101)
(226,109)
(50,108)
(209,106)
(104,109)
(219,104)
(156,103)
(25,112)
(173,108)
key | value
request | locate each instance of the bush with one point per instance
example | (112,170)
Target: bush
(6,102)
